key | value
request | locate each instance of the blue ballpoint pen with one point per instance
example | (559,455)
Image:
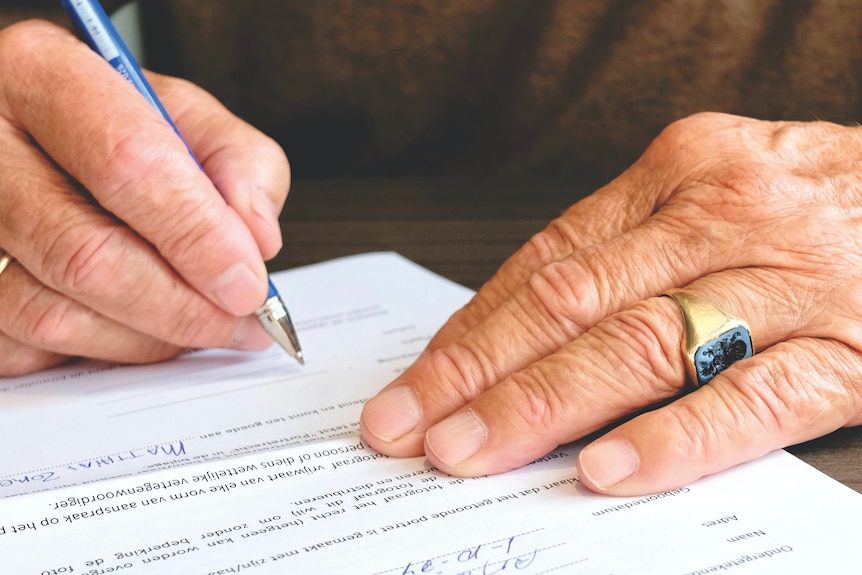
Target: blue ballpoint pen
(93,23)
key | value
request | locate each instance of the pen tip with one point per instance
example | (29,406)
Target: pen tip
(275,320)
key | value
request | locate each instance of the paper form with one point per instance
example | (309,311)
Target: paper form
(361,320)
(221,463)
(337,507)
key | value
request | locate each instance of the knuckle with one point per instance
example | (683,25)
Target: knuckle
(536,405)
(43,320)
(176,221)
(638,340)
(677,135)
(187,233)
(682,145)
(130,159)
(464,371)
(46,326)
(682,131)
(555,240)
(565,296)
(84,263)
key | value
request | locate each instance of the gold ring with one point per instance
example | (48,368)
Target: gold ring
(712,339)
(5,260)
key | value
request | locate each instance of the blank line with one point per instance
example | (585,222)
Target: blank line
(172,388)
(180,371)
(214,394)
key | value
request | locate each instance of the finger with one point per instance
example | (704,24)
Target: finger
(576,229)
(113,142)
(248,168)
(793,392)
(41,319)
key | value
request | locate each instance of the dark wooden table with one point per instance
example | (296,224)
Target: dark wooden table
(463,229)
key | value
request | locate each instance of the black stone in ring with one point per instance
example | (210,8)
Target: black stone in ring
(712,340)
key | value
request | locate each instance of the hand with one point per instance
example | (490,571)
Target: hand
(570,337)
(124,250)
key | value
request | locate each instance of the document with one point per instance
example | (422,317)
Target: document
(221,463)
(361,321)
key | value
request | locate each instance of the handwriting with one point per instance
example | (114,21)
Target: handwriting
(516,553)
(44,477)
(173,450)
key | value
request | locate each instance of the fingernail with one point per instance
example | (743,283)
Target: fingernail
(457,438)
(250,336)
(393,413)
(234,288)
(607,463)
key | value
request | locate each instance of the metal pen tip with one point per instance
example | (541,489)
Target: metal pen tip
(275,320)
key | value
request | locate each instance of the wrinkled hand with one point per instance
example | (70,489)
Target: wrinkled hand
(124,250)
(763,219)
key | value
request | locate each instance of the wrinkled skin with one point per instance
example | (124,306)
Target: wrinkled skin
(570,336)
(124,250)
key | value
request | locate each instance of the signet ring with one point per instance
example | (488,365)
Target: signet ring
(712,338)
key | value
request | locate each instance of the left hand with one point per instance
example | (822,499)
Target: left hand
(569,337)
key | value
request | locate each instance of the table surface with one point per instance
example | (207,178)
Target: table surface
(464,229)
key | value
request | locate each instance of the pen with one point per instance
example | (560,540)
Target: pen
(93,23)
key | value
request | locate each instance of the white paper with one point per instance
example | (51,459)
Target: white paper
(292,489)
(361,320)
(337,507)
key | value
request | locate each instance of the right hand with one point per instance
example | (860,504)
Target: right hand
(124,250)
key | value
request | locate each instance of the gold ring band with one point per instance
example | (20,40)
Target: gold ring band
(5,260)
(712,339)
